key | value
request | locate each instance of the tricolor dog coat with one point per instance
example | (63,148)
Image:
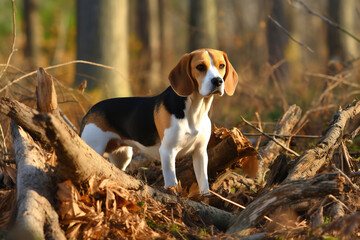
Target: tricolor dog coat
(171,125)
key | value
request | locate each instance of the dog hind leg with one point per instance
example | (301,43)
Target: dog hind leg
(121,157)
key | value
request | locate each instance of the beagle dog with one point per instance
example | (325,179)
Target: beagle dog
(168,126)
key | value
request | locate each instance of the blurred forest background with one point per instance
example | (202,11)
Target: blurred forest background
(143,40)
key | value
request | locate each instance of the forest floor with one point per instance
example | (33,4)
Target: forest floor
(312,195)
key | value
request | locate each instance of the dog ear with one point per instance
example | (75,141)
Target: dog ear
(230,78)
(180,77)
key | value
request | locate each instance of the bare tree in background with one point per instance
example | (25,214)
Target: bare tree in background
(277,41)
(349,18)
(167,39)
(333,34)
(103,38)
(203,24)
(148,27)
(32,31)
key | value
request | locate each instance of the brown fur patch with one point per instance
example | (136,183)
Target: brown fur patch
(113,144)
(99,121)
(162,119)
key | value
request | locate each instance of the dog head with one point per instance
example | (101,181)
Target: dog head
(206,71)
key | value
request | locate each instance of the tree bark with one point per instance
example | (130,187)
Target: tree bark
(284,126)
(333,34)
(312,160)
(35,189)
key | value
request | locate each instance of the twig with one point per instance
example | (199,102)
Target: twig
(67,121)
(271,137)
(327,20)
(4,150)
(282,136)
(260,127)
(335,78)
(338,79)
(14,40)
(289,35)
(276,83)
(234,203)
(348,180)
(62,65)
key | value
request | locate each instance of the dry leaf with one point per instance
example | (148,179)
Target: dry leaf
(67,192)
(194,191)
(7,205)
(93,185)
(73,231)
(178,187)
(10,172)
(110,203)
(249,165)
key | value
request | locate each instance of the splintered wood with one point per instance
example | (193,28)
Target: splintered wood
(245,155)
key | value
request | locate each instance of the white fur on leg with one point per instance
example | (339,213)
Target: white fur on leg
(168,166)
(121,157)
(200,163)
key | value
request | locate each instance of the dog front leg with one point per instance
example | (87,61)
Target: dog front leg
(200,163)
(168,157)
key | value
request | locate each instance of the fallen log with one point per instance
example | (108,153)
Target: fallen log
(314,158)
(291,192)
(284,126)
(35,190)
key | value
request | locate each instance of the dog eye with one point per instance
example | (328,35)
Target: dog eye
(201,67)
(221,66)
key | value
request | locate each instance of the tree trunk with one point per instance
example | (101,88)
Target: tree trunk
(154,78)
(277,41)
(203,24)
(103,38)
(32,31)
(349,16)
(148,31)
(167,45)
(333,34)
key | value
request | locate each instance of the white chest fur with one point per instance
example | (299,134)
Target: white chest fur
(187,136)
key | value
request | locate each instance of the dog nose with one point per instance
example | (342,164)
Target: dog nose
(217,81)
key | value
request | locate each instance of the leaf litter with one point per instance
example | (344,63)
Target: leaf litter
(104,209)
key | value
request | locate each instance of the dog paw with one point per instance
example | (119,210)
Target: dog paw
(172,190)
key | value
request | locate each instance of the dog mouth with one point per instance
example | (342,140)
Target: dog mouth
(217,91)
